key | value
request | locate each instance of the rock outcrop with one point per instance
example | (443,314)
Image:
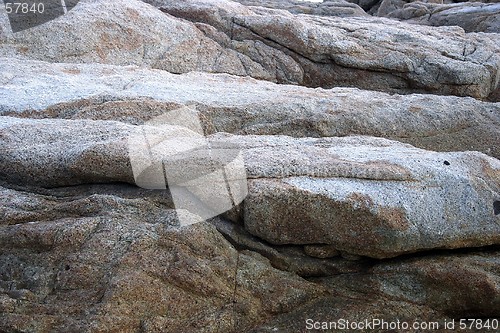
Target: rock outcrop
(339,8)
(369,151)
(246,106)
(131,33)
(109,258)
(475,16)
(368,197)
(364,196)
(407,290)
(369,53)
(275,45)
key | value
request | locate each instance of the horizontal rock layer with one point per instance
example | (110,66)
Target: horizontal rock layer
(275,45)
(370,53)
(131,33)
(325,8)
(363,195)
(246,106)
(121,256)
(471,16)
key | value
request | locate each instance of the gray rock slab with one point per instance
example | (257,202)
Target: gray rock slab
(246,106)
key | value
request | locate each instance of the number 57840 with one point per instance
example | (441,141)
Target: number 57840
(24,8)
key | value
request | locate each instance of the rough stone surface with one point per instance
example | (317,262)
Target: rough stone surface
(286,257)
(472,17)
(364,196)
(246,106)
(339,8)
(321,251)
(362,204)
(49,154)
(435,288)
(368,197)
(115,261)
(369,53)
(269,44)
(126,33)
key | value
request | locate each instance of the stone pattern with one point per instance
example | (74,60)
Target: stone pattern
(371,148)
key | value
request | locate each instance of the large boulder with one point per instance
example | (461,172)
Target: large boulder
(365,196)
(246,106)
(126,33)
(270,44)
(370,53)
(51,154)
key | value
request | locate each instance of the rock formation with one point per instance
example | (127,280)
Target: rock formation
(246,106)
(368,53)
(370,146)
(326,8)
(473,16)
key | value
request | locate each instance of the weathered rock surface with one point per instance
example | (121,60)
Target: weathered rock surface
(382,7)
(275,45)
(114,261)
(368,197)
(364,196)
(369,53)
(326,8)
(475,16)
(294,259)
(344,218)
(246,106)
(110,258)
(49,154)
(131,33)
(431,289)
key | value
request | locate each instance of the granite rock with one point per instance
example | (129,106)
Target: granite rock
(246,106)
(431,290)
(364,52)
(363,195)
(369,197)
(471,16)
(126,33)
(269,44)
(377,201)
(339,8)
(113,258)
